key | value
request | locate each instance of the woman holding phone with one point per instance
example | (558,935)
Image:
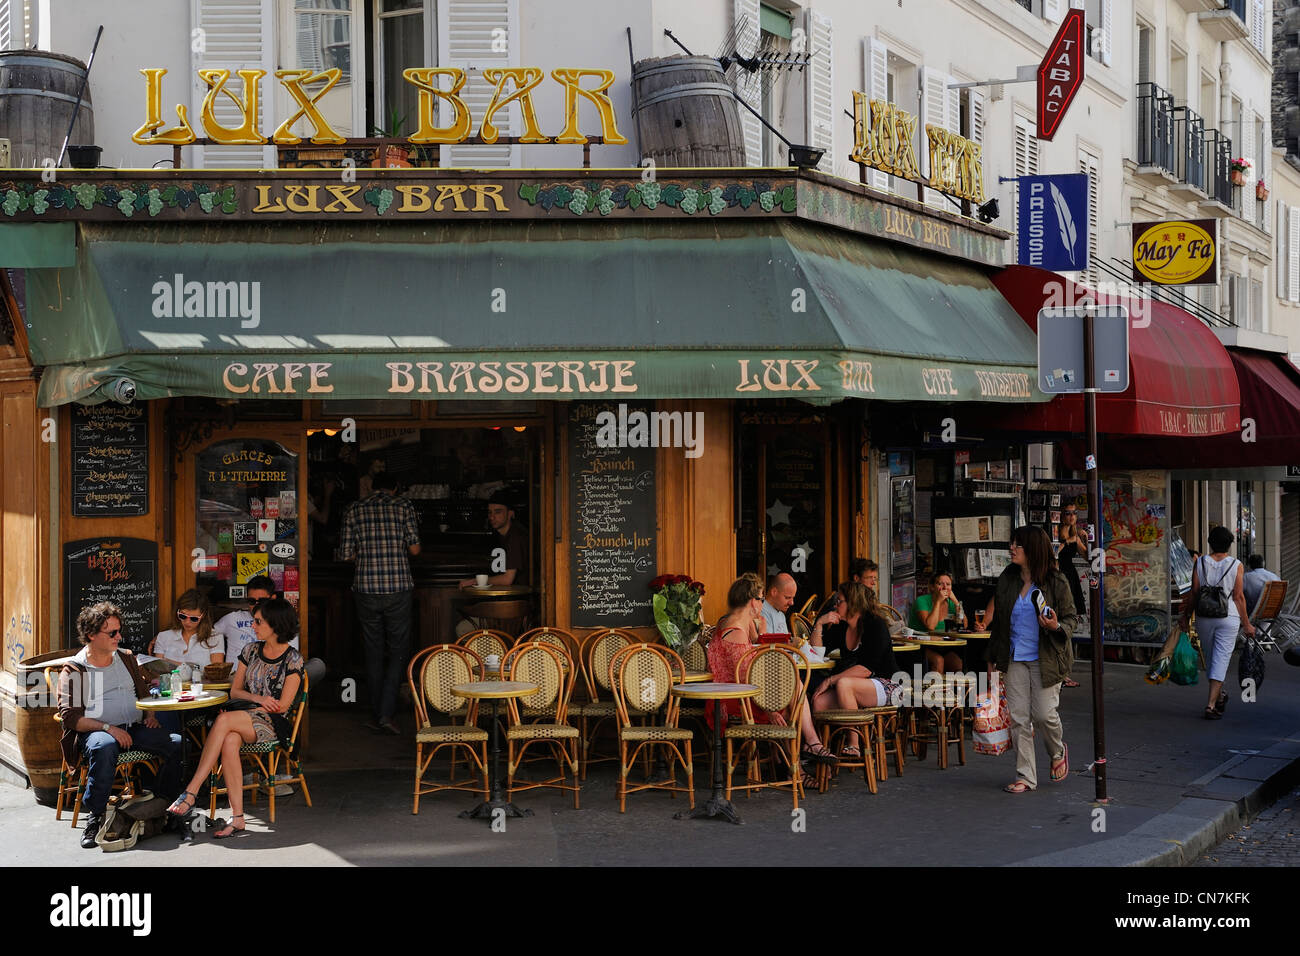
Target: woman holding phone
(930,612)
(1033,618)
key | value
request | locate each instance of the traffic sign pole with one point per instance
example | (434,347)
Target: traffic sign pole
(1096,593)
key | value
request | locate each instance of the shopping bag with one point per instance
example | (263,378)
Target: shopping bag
(1250,666)
(992,725)
(1158,672)
(1183,668)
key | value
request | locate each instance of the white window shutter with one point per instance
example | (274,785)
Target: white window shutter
(1293,254)
(6,18)
(1259,27)
(1090,164)
(1281,257)
(820,109)
(1107,29)
(465,35)
(748,86)
(976,114)
(238,35)
(875,83)
(934,112)
(1248,151)
(1052,10)
(1020,167)
(1263,174)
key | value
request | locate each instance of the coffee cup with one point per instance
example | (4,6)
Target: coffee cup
(196,689)
(492,661)
(481,580)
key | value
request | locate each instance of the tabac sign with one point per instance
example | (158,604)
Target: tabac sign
(884,137)
(1179,252)
(514,85)
(1060,74)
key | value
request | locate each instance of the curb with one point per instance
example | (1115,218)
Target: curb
(1207,814)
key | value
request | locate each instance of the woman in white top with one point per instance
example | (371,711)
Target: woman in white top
(192,641)
(1218,634)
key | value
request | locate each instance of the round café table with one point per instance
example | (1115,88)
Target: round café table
(497,591)
(495,691)
(718,805)
(804,664)
(902,646)
(697,677)
(219,685)
(172,704)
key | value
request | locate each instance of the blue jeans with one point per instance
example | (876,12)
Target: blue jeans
(101,760)
(385,626)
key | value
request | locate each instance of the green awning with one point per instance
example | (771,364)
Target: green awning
(50,245)
(647,309)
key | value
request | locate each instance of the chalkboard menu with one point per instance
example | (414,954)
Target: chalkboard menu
(110,460)
(614,547)
(121,570)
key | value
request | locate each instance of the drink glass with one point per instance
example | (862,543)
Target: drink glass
(979,620)
(196,688)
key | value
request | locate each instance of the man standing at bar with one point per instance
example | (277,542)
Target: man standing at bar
(781,589)
(509,541)
(381,534)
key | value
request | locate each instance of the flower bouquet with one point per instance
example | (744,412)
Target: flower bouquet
(1237,169)
(678,607)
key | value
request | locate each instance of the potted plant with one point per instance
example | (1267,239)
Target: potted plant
(1238,169)
(391,155)
(678,608)
(1261,191)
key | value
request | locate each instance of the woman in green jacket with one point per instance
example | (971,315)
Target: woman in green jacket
(1031,646)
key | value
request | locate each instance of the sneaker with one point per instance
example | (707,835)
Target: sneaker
(93,822)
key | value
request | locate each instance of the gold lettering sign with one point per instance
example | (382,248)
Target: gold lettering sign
(513,85)
(884,138)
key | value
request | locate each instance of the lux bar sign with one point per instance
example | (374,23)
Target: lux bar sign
(883,139)
(512,85)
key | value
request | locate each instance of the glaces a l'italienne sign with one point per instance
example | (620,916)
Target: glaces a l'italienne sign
(884,138)
(307,88)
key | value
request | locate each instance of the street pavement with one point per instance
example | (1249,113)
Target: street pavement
(1178,786)
(1271,839)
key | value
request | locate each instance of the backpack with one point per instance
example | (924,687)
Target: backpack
(1211,601)
(136,818)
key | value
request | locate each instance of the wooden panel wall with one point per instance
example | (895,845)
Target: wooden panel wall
(24,525)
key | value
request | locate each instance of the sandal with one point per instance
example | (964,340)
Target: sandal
(1221,704)
(1071,682)
(851,752)
(1018,787)
(230,830)
(1212,714)
(820,755)
(186,801)
(1063,763)
(808,781)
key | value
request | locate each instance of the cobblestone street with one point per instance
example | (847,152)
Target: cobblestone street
(1272,839)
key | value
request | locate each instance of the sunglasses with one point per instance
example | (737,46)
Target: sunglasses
(189,617)
(113,633)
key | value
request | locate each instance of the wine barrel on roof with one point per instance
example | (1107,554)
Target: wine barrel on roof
(686,112)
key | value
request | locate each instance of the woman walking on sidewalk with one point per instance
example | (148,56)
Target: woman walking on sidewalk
(1033,617)
(1218,634)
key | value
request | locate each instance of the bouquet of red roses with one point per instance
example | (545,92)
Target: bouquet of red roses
(678,607)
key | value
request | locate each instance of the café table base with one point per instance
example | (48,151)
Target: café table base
(717,805)
(487,810)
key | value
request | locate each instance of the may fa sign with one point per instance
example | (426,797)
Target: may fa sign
(1179,252)
(1053,222)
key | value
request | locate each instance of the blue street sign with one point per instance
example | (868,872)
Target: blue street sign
(1053,213)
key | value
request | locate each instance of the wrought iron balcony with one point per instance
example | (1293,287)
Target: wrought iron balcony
(1155,131)
(1189,152)
(1218,156)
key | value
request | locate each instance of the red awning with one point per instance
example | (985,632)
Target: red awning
(1181,380)
(1270,398)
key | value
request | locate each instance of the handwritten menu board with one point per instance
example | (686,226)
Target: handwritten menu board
(110,460)
(121,570)
(614,549)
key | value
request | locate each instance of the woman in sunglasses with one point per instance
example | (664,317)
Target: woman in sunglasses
(192,640)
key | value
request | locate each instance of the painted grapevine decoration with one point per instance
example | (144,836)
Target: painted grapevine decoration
(149,200)
(702,197)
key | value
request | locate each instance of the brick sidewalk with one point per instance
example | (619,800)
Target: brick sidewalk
(1272,839)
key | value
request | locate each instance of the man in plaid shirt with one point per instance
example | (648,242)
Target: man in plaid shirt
(379,532)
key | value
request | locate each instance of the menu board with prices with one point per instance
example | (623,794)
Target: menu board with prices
(121,570)
(247,521)
(110,460)
(614,539)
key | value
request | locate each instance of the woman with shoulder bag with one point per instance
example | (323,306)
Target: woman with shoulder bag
(1220,605)
(1033,619)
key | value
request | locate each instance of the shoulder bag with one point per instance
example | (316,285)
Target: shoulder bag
(1211,601)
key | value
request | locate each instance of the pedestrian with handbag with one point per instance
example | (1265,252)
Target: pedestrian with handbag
(1219,601)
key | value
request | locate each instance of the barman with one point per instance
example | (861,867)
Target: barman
(510,540)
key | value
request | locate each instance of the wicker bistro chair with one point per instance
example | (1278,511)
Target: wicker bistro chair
(837,728)
(801,628)
(594,656)
(938,716)
(695,657)
(72,779)
(782,688)
(809,606)
(546,666)
(432,673)
(640,676)
(485,642)
(554,636)
(266,759)
(1267,613)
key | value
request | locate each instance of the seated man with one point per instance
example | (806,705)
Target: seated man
(777,600)
(1252,584)
(237,626)
(97,693)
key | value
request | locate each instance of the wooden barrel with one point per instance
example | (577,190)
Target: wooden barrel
(686,112)
(38,731)
(37,93)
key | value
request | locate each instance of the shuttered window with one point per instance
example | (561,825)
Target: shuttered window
(1090,163)
(940,107)
(5,20)
(820,109)
(240,35)
(1259,26)
(1281,247)
(1293,255)
(875,83)
(1025,163)
(470,38)
(1144,54)
(1053,10)
(748,86)
(1257,305)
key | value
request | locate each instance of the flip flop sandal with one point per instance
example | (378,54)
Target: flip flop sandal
(1064,764)
(1071,682)
(234,830)
(181,801)
(1212,714)
(1018,787)
(1221,704)
(822,756)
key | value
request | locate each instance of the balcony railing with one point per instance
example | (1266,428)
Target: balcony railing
(1155,139)
(1218,156)
(1189,146)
